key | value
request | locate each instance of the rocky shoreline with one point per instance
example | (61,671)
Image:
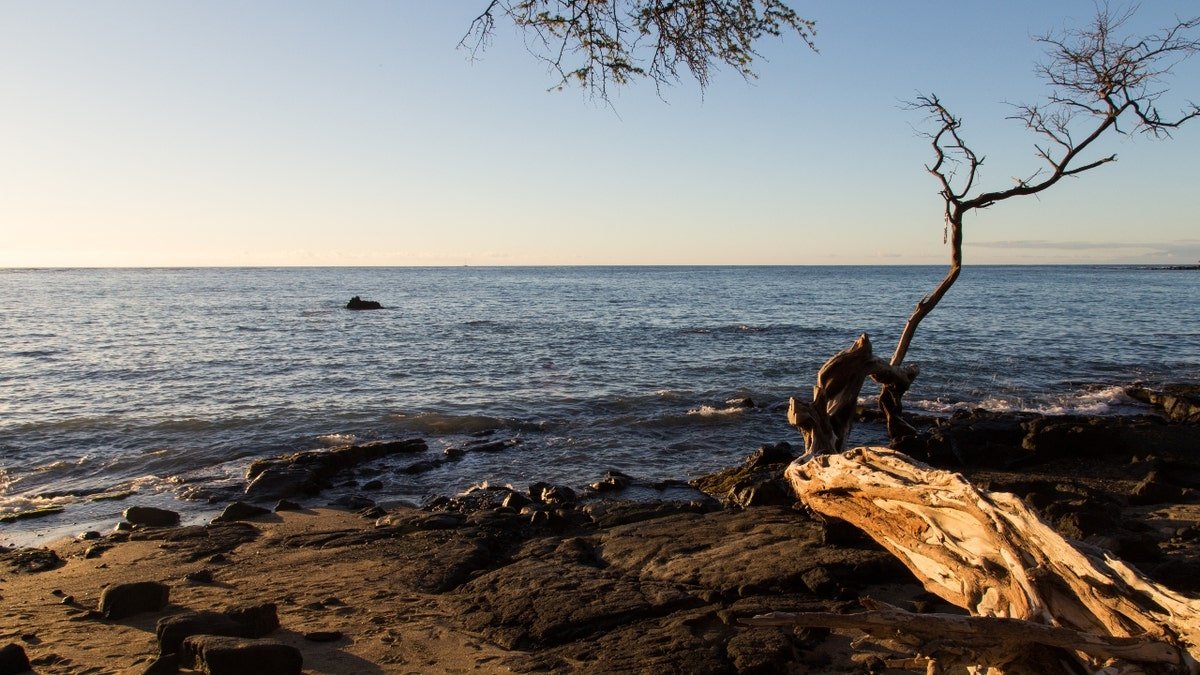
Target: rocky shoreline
(616,576)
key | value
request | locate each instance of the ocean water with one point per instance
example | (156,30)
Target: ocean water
(168,382)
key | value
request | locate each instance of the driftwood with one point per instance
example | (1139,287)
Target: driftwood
(826,420)
(990,554)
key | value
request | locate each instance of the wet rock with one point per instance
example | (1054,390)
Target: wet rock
(420,467)
(545,493)
(150,516)
(613,480)
(13,660)
(357,303)
(373,485)
(125,600)
(216,655)
(40,512)
(1180,402)
(1050,437)
(353,502)
(90,535)
(758,481)
(240,511)
(516,501)
(308,472)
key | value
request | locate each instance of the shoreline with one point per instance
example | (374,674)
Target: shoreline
(100,509)
(497,580)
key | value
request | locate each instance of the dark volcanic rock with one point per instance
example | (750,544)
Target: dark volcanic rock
(681,642)
(31,560)
(245,622)
(761,651)
(216,655)
(13,660)
(1153,489)
(540,601)
(1180,403)
(125,600)
(358,303)
(610,513)
(40,512)
(197,542)
(308,472)
(757,482)
(172,630)
(150,516)
(240,511)
(767,549)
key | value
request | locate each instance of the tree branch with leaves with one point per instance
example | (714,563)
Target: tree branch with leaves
(598,43)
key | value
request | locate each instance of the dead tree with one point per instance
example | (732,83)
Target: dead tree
(1100,84)
(1038,601)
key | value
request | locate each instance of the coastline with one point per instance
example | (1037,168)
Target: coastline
(498,580)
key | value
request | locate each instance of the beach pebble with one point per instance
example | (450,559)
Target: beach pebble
(216,655)
(150,516)
(89,535)
(123,600)
(13,660)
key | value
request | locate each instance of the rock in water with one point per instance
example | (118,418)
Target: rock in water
(13,660)
(150,516)
(123,600)
(358,303)
(232,656)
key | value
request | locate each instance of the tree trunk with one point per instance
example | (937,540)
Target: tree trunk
(990,554)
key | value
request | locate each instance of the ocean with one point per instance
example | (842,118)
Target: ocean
(168,382)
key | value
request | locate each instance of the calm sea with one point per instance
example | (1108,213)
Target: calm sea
(167,382)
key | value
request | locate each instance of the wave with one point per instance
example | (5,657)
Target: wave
(1106,400)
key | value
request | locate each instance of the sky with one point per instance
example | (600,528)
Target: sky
(295,132)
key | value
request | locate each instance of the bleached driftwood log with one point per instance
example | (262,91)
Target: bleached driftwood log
(990,554)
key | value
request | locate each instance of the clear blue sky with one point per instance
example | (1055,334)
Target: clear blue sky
(291,132)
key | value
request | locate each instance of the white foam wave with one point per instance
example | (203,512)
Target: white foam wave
(711,411)
(1100,401)
(337,439)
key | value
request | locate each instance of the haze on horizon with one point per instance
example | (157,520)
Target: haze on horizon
(294,132)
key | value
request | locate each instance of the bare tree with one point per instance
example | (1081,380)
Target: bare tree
(597,43)
(1100,84)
